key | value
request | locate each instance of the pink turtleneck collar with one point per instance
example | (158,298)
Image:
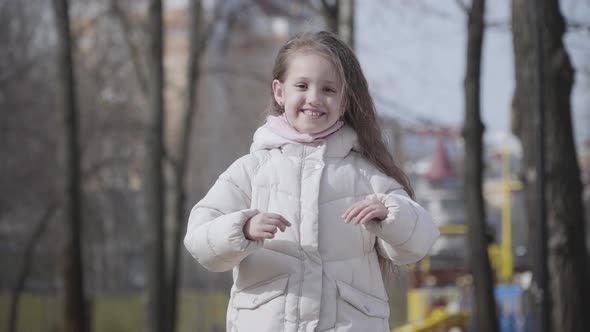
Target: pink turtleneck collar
(280,126)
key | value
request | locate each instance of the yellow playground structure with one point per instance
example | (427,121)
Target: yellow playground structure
(434,309)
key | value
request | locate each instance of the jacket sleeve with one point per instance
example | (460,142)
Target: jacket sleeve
(407,233)
(214,235)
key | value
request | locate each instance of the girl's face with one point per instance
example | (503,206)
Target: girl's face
(310,94)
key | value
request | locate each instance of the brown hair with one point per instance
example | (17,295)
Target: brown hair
(357,103)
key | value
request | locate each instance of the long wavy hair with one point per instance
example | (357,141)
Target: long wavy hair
(357,103)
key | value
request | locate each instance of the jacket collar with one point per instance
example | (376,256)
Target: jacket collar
(338,144)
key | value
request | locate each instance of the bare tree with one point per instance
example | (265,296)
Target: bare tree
(339,18)
(329,11)
(27,261)
(132,49)
(567,254)
(153,175)
(346,21)
(485,307)
(198,36)
(76,314)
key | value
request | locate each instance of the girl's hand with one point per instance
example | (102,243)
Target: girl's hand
(264,226)
(364,211)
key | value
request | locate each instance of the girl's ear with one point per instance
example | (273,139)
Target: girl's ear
(277,90)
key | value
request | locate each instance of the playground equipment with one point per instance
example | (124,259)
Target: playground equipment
(439,319)
(442,308)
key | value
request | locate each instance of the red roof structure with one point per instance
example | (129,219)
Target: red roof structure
(440,166)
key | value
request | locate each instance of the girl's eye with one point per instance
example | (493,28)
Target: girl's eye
(300,86)
(329,90)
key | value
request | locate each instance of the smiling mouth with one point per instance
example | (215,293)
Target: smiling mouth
(313,114)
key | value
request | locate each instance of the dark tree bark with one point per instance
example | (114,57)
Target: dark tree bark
(346,21)
(76,314)
(485,306)
(568,258)
(330,13)
(198,36)
(153,176)
(522,124)
(27,261)
(132,49)
(339,18)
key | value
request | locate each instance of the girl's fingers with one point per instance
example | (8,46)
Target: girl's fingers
(270,228)
(267,235)
(284,221)
(362,213)
(277,223)
(352,214)
(353,211)
(347,214)
(280,218)
(368,209)
(348,211)
(375,214)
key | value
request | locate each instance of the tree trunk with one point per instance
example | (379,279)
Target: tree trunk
(568,257)
(339,18)
(153,176)
(197,44)
(524,126)
(27,261)
(76,319)
(346,21)
(330,13)
(521,122)
(567,254)
(485,306)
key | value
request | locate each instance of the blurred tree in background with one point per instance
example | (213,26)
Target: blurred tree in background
(75,313)
(485,315)
(568,290)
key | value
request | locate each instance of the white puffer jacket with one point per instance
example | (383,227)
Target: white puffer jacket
(321,274)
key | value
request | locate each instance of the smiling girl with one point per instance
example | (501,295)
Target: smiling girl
(310,219)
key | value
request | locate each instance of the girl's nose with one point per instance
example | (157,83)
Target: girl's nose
(313,97)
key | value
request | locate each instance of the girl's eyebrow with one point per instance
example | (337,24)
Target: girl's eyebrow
(307,79)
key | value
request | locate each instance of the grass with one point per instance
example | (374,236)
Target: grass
(198,311)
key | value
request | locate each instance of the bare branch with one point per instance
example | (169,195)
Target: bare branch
(504,25)
(98,166)
(578,26)
(80,30)
(463,6)
(27,262)
(226,70)
(133,50)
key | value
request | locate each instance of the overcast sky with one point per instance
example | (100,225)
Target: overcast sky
(413,54)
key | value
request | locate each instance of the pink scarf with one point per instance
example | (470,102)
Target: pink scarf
(280,126)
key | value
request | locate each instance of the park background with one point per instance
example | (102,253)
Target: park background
(104,154)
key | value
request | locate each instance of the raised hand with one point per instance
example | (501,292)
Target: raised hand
(264,226)
(364,211)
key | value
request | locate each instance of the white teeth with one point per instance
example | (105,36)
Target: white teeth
(312,113)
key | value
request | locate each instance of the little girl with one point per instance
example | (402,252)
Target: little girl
(318,209)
